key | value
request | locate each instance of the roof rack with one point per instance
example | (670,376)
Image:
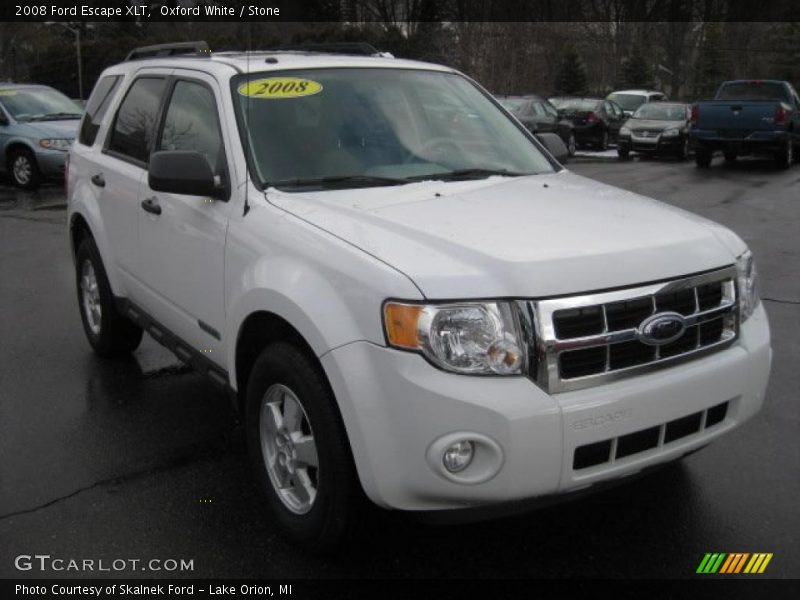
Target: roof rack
(353,48)
(199,48)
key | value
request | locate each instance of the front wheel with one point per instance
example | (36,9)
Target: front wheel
(23,169)
(109,332)
(623,153)
(299,449)
(683,150)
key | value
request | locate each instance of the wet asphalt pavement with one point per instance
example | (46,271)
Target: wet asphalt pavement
(143,458)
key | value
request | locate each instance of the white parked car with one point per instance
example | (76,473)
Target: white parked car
(406,296)
(630,100)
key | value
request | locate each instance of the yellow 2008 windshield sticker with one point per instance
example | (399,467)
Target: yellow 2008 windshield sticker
(8,92)
(276,88)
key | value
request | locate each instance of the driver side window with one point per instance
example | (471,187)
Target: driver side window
(192,123)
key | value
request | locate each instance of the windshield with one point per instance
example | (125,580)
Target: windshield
(39,104)
(627,101)
(578,105)
(661,112)
(752,90)
(353,127)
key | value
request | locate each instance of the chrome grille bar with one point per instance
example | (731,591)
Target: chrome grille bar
(548,348)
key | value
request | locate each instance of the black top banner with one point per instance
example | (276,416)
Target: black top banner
(400,10)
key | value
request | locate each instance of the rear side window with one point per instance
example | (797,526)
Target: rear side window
(96,108)
(135,124)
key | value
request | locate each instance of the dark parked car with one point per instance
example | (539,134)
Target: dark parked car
(760,117)
(596,121)
(539,116)
(656,128)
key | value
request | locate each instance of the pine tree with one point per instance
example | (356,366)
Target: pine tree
(636,73)
(711,64)
(571,78)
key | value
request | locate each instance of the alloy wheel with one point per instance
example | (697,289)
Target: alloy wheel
(90,296)
(289,449)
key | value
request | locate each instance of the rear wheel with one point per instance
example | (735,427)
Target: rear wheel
(109,333)
(603,143)
(702,158)
(571,144)
(785,156)
(299,450)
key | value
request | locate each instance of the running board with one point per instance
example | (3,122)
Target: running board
(185,353)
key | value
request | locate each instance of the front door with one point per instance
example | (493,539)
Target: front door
(182,249)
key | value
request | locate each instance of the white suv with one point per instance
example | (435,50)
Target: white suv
(402,290)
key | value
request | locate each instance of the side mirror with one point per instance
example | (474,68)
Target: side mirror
(181,172)
(3,120)
(555,145)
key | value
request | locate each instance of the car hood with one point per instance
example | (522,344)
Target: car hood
(534,236)
(653,124)
(66,129)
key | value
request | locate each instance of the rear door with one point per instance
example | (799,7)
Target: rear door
(182,249)
(118,171)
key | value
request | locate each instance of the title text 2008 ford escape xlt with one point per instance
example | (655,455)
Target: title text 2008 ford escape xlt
(403,290)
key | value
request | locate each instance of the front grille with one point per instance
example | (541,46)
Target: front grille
(609,451)
(646,132)
(586,340)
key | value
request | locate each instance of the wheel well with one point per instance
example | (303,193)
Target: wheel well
(13,148)
(258,330)
(78,230)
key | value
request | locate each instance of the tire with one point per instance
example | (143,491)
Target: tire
(23,169)
(730,157)
(683,150)
(602,145)
(623,153)
(572,145)
(318,505)
(702,158)
(109,333)
(785,156)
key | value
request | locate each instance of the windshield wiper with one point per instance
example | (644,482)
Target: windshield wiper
(334,180)
(58,116)
(473,173)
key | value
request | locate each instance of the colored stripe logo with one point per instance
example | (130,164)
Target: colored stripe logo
(734,563)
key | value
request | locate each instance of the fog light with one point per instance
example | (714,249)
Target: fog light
(457,457)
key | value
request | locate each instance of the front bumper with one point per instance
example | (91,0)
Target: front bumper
(657,145)
(51,162)
(397,408)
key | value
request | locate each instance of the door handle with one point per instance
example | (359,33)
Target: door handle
(151,205)
(99,180)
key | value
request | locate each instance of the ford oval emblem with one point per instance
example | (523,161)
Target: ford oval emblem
(661,328)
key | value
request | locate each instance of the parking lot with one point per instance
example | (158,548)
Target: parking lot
(143,459)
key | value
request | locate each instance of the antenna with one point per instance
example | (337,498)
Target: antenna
(247,123)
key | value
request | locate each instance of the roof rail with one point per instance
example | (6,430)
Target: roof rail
(199,48)
(353,48)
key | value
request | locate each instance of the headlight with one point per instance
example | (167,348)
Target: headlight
(748,284)
(475,338)
(671,132)
(55,144)
(624,131)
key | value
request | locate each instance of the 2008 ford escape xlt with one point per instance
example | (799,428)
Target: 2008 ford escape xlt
(405,294)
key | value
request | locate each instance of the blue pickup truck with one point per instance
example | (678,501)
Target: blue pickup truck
(760,117)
